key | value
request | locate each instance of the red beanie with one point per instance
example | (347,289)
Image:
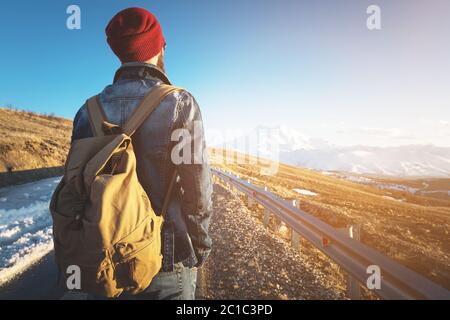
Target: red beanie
(135,35)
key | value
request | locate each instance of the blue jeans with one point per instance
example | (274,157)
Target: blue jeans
(180,284)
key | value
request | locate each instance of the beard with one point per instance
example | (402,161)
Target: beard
(160,63)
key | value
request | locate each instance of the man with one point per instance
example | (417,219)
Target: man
(135,36)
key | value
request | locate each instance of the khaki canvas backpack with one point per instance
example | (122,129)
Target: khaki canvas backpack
(103,221)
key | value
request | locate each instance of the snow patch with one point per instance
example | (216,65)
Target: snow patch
(397,187)
(305,192)
(22,263)
(392,198)
(25,227)
(357,179)
(8,233)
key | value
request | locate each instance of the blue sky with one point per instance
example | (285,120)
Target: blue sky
(311,65)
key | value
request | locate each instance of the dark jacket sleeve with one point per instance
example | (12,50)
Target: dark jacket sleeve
(195,178)
(81,126)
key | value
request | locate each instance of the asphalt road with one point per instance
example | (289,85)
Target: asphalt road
(37,283)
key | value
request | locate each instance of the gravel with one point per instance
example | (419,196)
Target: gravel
(249,261)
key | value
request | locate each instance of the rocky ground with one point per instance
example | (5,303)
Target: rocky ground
(249,261)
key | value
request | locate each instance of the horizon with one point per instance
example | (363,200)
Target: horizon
(244,134)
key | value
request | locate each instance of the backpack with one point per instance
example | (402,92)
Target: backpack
(103,221)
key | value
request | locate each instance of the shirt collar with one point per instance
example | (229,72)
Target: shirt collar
(140,70)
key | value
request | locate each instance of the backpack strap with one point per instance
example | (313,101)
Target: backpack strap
(150,102)
(168,195)
(96,116)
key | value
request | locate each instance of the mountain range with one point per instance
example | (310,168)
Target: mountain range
(290,146)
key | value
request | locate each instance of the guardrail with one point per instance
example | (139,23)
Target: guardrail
(358,260)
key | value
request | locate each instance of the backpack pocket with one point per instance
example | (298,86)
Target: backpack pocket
(100,280)
(138,256)
(95,276)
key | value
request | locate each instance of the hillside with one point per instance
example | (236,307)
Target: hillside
(31,141)
(412,228)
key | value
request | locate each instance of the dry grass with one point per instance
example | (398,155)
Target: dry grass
(413,229)
(29,140)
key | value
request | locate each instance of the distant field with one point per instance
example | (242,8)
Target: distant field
(412,228)
(31,141)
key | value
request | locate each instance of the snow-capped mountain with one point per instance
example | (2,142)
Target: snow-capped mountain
(290,146)
(414,160)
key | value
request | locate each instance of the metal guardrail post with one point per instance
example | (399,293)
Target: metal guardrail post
(353,286)
(250,201)
(278,224)
(295,241)
(233,188)
(266,215)
(266,219)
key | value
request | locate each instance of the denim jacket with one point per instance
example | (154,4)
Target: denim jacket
(185,237)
